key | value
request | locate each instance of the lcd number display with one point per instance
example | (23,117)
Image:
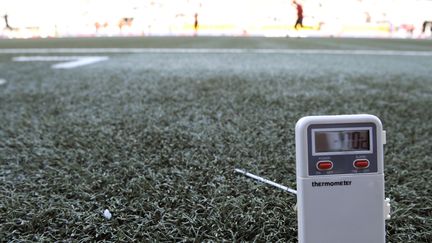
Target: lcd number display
(342,141)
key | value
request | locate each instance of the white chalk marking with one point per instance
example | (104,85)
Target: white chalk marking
(2,81)
(72,61)
(216,51)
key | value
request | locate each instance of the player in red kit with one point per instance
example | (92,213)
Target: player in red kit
(299,14)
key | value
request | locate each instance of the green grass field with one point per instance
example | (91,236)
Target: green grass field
(154,137)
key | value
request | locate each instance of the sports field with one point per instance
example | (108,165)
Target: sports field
(153,129)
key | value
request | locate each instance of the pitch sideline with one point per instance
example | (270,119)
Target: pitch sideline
(214,51)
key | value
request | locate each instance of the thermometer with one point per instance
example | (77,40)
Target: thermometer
(340,179)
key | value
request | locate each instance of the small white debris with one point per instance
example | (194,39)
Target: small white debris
(2,81)
(107,214)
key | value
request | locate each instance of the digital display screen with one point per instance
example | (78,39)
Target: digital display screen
(342,141)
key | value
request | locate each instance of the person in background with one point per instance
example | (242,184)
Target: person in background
(424,27)
(196,23)
(7,22)
(299,8)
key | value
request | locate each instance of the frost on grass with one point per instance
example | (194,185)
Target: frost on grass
(159,132)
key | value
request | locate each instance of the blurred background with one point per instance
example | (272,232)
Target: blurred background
(82,18)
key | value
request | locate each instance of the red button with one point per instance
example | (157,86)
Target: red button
(324,165)
(361,163)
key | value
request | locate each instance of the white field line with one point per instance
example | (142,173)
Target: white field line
(71,61)
(216,51)
(2,81)
(79,62)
